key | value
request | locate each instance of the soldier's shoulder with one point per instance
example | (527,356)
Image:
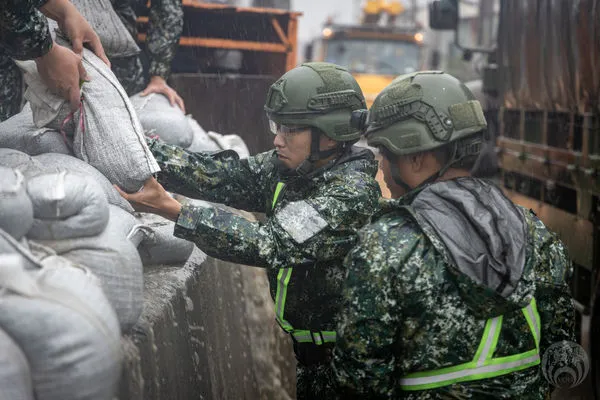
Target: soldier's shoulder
(551,259)
(392,228)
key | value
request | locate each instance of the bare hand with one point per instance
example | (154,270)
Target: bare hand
(72,24)
(159,85)
(62,71)
(153,198)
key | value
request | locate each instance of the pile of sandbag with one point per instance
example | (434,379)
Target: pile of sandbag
(59,334)
(105,132)
(65,206)
(73,218)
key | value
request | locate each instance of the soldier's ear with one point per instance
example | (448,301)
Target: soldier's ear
(418,162)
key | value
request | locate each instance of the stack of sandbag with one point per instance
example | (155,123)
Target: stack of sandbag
(160,119)
(20,133)
(159,246)
(62,162)
(73,219)
(65,335)
(52,162)
(105,131)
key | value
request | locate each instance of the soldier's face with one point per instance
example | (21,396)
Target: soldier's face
(293,148)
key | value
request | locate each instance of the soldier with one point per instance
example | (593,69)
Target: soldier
(453,291)
(164,29)
(316,189)
(24,35)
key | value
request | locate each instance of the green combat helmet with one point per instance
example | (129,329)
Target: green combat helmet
(317,95)
(424,111)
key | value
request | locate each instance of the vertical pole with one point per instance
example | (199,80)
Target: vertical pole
(292,33)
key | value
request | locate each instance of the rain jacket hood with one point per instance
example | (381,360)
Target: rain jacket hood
(483,236)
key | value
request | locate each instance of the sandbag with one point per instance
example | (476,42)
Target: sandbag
(15,375)
(201,142)
(105,131)
(161,119)
(161,247)
(20,133)
(62,162)
(231,142)
(66,205)
(16,159)
(114,36)
(16,210)
(63,323)
(114,259)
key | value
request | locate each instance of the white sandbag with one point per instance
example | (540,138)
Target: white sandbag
(20,133)
(16,159)
(160,118)
(106,131)
(201,142)
(161,247)
(231,142)
(15,375)
(66,205)
(114,36)
(114,259)
(62,162)
(63,323)
(16,210)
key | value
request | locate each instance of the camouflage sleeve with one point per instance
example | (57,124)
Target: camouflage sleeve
(24,32)
(368,327)
(553,295)
(220,177)
(298,234)
(164,30)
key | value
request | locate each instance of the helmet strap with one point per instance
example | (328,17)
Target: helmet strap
(307,166)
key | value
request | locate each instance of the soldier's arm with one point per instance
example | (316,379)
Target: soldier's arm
(220,177)
(24,32)
(301,233)
(369,321)
(553,295)
(164,31)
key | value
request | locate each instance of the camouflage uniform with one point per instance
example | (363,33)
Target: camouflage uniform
(24,35)
(164,29)
(453,292)
(430,316)
(310,227)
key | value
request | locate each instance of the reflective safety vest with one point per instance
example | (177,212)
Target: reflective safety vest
(283,280)
(483,365)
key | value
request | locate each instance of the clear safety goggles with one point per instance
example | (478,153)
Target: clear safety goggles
(285,130)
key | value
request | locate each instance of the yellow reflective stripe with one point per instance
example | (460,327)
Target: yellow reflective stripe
(482,366)
(487,344)
(318,338)
(283,279)
(533,320)
(469,374)
(277,192)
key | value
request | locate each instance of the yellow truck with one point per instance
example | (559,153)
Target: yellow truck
(375,51)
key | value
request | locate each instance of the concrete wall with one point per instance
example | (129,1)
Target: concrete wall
(207,332)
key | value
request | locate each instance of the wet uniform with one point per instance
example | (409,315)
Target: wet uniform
(419,309)
(311,224)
